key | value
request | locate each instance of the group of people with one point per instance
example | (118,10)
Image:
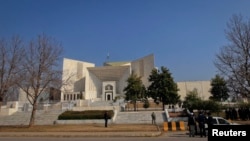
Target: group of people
(203,123)
(241,113)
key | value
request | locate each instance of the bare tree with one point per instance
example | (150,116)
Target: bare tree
(233,60)
(40,70)
(11,55)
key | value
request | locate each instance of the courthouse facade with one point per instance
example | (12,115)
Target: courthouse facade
(105,83)
(88,82)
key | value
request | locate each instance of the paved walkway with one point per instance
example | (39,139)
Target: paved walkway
(89,130)
(95,134)
(80,134)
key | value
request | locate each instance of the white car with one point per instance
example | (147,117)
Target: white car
(217,121)
(222,121)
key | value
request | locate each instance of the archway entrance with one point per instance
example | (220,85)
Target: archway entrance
(108,96)
(109,90)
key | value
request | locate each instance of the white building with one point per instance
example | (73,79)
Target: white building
(86,81)
(202,87)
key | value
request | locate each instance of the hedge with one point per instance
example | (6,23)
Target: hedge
(81,115)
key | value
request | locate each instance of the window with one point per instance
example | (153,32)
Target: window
(222,121)
(109,87)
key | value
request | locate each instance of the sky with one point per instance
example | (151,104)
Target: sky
(183,35)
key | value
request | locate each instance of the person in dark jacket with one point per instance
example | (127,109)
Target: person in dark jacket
(106,119)
(209,120)
(202,121)
(191,125)
(153,118)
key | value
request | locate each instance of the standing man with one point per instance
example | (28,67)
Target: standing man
(191,125)
(106,118)
(202,120)
(209,120)
(153,118)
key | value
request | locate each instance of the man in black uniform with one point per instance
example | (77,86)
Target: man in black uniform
(191,125)
(106,119)
(202,120)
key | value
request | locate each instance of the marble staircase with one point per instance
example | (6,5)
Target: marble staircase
(49,115)
(140,117)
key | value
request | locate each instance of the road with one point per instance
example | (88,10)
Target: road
(165,137)
(102,139)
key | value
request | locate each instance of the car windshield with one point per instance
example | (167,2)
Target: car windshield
(222,121)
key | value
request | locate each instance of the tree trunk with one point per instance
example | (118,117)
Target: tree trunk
(135,106)
(33,113)
(163,107)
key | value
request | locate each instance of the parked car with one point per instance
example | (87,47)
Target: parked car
(217,121)
(222,121)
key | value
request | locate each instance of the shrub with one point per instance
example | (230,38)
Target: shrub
(81,115)
(146,104)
